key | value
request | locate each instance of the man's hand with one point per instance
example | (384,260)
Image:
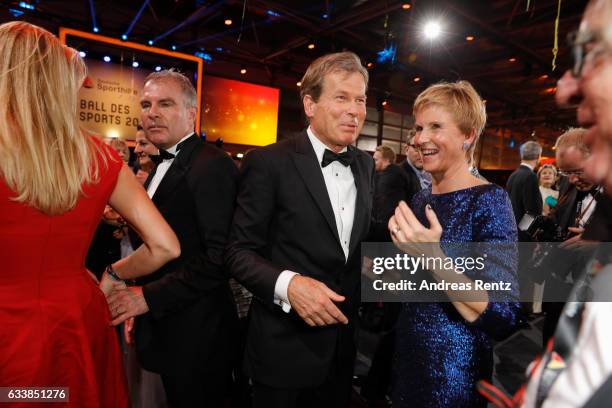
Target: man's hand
(128,330)
(576,242)
(127,303)
(109,285)
(313,301)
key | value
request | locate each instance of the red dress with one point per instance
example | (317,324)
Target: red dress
(54,321)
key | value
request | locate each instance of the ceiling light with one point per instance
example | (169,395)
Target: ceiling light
(82,54)
(512,59)
(370,64)
(243,70)
(135,64)
(432,30)
(417,79)
(228,22)
(406,6)
(123,37)
(311,46)
(299,83)
(106,58)
(544,76)
(469,38)
(96,29)
(158,68)
(384,103)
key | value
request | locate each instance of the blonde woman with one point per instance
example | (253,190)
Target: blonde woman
(54,183)
(547,177)
(444,348)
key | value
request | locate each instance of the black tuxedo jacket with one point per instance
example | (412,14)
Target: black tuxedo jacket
(524,192)
(393,184)
(284,221)
(414,181)
(192,312)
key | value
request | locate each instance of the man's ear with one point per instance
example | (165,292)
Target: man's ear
(191,114)
(309,105)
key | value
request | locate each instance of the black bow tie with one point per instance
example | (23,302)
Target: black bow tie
(345,158)
(166,155)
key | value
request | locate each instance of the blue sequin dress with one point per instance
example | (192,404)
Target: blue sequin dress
(440,356)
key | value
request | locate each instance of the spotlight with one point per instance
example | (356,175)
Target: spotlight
(123,37)
(417,79)
(173,48)
(311,46)
(158,68)
(96,29)
(469,38)
(82,54)
(384,103)
(432,30)
(370,65)
(150,42)
(406,6)
(228,22)
(240,155)
(299,83)
(544,76)
(512,59)
(107,58)
(243,70)
(135,64)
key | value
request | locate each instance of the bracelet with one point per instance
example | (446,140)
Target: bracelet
(111,272)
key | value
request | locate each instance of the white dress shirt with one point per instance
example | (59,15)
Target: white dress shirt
(162,168)
(342,192)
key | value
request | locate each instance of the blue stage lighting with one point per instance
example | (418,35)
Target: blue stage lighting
(124,37)
(387,54)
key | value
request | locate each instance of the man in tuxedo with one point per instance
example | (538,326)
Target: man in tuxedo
(522,186)
(186,314)
(392,186)
(303,209)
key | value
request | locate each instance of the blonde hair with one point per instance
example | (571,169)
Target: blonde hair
(121,147)
(462,101)
(544,167)
(44,156)
(572,137)
(312,82)
(387,153)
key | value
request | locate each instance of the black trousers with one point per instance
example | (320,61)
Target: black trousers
(194,389)
(335,392)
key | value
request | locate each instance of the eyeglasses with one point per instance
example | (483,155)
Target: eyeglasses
(570,173)
(586,46)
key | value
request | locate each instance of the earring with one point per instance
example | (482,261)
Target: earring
(466,146)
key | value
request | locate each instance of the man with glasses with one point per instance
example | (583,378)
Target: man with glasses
(586,379)
(571,215)
(419,178)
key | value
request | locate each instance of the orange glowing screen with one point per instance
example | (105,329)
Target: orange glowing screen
(239,112)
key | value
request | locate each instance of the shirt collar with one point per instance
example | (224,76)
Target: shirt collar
(173,148)
(527,165)
(318,146)
(417,171)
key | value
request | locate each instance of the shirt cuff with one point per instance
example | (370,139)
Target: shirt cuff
(280,290)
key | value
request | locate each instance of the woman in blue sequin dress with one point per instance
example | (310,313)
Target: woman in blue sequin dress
(443,349)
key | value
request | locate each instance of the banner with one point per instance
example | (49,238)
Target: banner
(109,100)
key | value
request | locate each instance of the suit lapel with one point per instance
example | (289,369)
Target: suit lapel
(305,160)
(360,174)
(176,171)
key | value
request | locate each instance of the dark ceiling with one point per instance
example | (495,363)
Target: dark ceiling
(508,60)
